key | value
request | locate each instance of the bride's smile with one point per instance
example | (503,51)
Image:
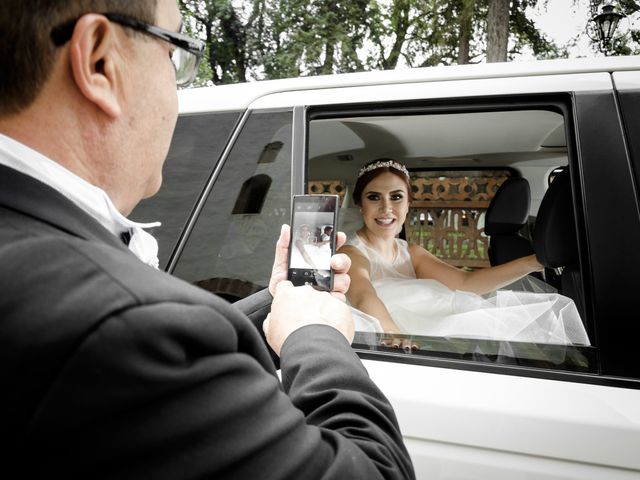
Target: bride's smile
(385,221)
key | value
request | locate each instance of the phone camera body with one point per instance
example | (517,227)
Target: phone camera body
(313,240)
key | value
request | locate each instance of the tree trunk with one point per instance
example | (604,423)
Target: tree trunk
(463,43)
(464,34)
(497,30)
(327,66)
(234,36)
(401,12)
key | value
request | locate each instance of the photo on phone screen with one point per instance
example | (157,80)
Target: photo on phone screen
(313,233)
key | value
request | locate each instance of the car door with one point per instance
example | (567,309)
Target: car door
(468,408)
(474,409)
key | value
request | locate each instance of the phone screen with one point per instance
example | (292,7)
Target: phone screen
(313,233)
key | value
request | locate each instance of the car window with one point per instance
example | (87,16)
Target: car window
(457,163)
(197,143)
(230,250)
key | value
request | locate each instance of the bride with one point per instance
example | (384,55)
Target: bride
(401,288)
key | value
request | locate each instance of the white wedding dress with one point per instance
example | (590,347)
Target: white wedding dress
(428,308)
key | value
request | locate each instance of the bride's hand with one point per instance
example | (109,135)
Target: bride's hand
(391,339)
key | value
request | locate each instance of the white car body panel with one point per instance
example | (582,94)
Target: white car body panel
(456,422)
(627,80)
(240,96)
(427,90)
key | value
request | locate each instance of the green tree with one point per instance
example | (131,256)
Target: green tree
(452,34)
(218,23)
(524,32)
(457,31)
(256,39)
(315,37)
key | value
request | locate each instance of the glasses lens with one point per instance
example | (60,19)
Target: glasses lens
(186,65)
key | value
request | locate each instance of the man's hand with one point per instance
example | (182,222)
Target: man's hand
(340,264)
(296,307)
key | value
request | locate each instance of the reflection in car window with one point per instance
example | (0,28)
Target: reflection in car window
(197,144)
(230,251)
(252,195)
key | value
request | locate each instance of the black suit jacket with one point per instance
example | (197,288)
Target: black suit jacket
(111,369)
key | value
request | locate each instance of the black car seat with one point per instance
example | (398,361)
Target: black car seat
(555,241)
(507,214)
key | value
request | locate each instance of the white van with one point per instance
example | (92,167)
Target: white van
(469,406)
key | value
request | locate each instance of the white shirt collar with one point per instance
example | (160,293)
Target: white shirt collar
(88,197)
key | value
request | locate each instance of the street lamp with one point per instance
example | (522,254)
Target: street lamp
(605,23)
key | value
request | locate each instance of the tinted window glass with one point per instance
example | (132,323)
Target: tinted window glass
(197,143)
(230,251)
(630,106)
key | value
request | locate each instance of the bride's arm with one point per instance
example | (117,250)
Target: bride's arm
(303,251)
(479,281)
(361,293)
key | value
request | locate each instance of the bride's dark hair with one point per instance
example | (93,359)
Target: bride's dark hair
(370,171)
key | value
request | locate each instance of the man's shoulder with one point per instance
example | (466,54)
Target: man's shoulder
(55,277)
(61,289)
(49,264)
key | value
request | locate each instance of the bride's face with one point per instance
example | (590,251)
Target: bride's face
(385,204)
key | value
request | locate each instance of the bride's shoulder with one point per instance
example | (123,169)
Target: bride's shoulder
(354,246)
(359,260)
(403,244)
(352,238)
(416,250)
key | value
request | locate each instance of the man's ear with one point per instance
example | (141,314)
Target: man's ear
(95,63)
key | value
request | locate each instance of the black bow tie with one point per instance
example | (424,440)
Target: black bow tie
(126,237)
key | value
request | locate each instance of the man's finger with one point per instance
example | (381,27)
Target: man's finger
(341,282)
(279,270)
(283,286)
(282,246)
(265,324)
(340,296)
(340,263)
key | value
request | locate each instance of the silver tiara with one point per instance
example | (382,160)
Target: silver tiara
(382,164)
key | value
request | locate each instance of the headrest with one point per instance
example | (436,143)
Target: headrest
(554,238)
(509,208)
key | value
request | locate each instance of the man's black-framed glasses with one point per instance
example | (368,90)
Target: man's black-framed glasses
(186,57)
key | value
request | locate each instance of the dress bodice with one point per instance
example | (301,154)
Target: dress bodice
(400,267)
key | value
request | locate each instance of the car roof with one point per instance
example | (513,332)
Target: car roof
(241,96)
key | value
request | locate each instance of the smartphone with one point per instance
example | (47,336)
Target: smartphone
(313,240)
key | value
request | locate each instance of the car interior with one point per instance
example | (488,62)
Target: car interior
(481,184)
(528,143)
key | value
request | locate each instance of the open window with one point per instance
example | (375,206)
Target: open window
(457,159)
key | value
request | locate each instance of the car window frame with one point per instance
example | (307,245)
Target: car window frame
(561,102)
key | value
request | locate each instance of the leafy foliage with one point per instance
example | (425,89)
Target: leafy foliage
(627,40)
(266,39)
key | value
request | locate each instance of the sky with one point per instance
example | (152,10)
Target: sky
(561,21)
